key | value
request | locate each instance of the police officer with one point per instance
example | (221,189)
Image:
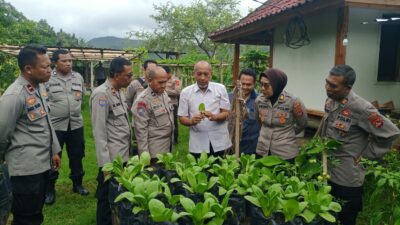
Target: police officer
(65,91)
(281,116)
(173,90)
(139,84)
(27,137)
(111,128)
(153,115)
(363,131)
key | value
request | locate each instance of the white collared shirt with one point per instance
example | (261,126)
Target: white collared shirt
(214,99)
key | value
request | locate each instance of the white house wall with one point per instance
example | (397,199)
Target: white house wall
(308,66)
(363,56)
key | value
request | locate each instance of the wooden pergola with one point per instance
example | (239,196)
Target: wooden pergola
(93,54)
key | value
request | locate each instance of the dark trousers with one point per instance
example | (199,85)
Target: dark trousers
(215,154)
(74,140)
(352,197)
(176,131)
(28,198)
(103,211)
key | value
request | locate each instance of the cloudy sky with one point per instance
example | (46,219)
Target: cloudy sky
(97,18)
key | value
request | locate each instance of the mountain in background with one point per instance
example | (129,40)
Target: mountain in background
(114,42)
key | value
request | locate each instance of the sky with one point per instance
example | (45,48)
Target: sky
(97,18)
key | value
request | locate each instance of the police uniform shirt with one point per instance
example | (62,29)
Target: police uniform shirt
(133,90)
(65,99)
(173,89)
(27,137)
(279,125)
(154,122)
(111,128)
(214,98)
(363,131)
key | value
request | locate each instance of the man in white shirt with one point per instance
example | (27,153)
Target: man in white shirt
(208,126)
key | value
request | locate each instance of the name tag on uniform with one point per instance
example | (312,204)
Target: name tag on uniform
(342,122)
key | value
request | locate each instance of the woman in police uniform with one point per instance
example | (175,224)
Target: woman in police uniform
(281,116)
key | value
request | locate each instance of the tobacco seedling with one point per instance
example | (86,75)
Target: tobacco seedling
(197,212)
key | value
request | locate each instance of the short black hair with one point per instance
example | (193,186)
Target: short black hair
(249,72)
(57,53)
(167,69)
(345,71)
(145,63)
(117,65)
(28,55)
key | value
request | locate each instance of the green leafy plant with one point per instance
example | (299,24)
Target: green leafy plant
(142,193)
(159,213)
(124,175)
(384,179)
(291,208)
(319,203)
(203,163)
(226,172)
(197,212)
(221,209)
(167,159)
(308,161)
(199,183)
(269,201)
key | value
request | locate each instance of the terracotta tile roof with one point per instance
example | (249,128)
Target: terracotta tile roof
(269,8)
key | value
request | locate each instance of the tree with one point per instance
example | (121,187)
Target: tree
(186,28)
(16,29)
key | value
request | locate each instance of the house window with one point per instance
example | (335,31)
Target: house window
(389,53)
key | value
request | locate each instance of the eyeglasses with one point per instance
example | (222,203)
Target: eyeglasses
(265,85)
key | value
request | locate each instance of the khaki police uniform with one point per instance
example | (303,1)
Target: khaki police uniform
(279,125)
(28,141)
(27,136)
(133,90)
(111,129)
(112,135)
(153,118)
(173,90)
(364,132)
(65,93)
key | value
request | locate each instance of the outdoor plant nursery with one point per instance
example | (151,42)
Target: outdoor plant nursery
(225,190)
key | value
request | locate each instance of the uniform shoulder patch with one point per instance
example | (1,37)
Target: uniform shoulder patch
(298,110)
(103,101)
(376,120)
(141,108)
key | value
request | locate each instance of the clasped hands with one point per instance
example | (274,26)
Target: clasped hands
(199,117)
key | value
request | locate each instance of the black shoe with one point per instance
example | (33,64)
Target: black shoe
(80,190)
(50,197)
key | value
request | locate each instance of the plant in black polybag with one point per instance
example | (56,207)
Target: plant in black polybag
(268,203)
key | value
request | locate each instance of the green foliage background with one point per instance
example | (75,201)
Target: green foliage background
(16,29)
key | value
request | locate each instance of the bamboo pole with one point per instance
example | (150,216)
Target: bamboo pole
(237,119)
